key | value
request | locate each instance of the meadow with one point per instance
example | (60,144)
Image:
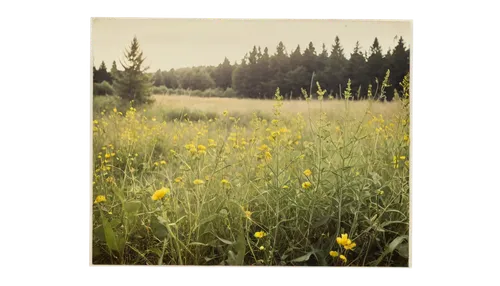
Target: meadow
(225,181)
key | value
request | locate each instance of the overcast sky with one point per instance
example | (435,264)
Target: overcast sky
(176,43)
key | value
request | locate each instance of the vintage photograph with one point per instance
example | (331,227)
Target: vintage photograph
(250,142)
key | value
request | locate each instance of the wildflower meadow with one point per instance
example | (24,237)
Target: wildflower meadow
(292,158)
(329,186)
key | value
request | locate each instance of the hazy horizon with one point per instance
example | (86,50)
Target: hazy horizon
(179,43)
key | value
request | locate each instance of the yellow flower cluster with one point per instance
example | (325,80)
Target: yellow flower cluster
(346,242)
(159,194)
(260,234)
(99,199)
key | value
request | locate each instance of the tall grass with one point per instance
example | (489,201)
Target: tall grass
(223,187)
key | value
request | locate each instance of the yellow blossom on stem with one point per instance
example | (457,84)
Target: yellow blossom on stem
(260,234)
(307,172)
(198,182)
(99,199)
(306,185)
(343,258)
(334,253)
(159,194)
(163,162)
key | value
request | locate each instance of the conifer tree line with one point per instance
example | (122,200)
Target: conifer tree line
(259,73)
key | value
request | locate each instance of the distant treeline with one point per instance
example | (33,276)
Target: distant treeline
(259,73)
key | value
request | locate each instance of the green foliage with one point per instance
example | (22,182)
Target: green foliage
(276,188)
(101,103)
(159,90)
(132,83)
(102,88)
(229,93)
(259,73)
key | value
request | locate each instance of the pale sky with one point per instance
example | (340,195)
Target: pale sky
(176,43)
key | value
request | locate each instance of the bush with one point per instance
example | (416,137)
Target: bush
(213,92)
(230,93)
(102,88)
(196,93)
(101,103)
(159,90)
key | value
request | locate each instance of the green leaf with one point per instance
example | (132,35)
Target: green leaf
(231,260)
(99,233)
(109,235)
(303,257)
(159,230)
(114,223)
(132,206)
(403,250)
(225,241)
(198,243)
(240,247)
(390,248)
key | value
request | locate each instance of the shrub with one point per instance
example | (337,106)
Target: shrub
(230,93)
(101,103)
(159,90)
(102,88)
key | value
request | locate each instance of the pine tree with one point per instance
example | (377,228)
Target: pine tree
(114,71)
(399,65)
(239,78)
(223,74)
(279,65)
(356,69)
(336,68)
(132,83)
(375,66)
(102,74)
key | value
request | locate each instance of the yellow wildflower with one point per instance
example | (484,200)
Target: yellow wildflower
(307,172)
(211,143)
(198,182)
(350,246)
(248,214)
(343,258)
(264,147)
(96,122)
(275,121)
(402,157)
(262,247)
(260,234)
(113,154)
(224,182)
(343,239)
(395,161)
(178,180)
(268,156)
(163,162)
(285,187)
(306,185)
(334,253)
(159,194)
(202,149)
(107,156)
(114,110)
(193,150)
(99,199)
(156,163)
